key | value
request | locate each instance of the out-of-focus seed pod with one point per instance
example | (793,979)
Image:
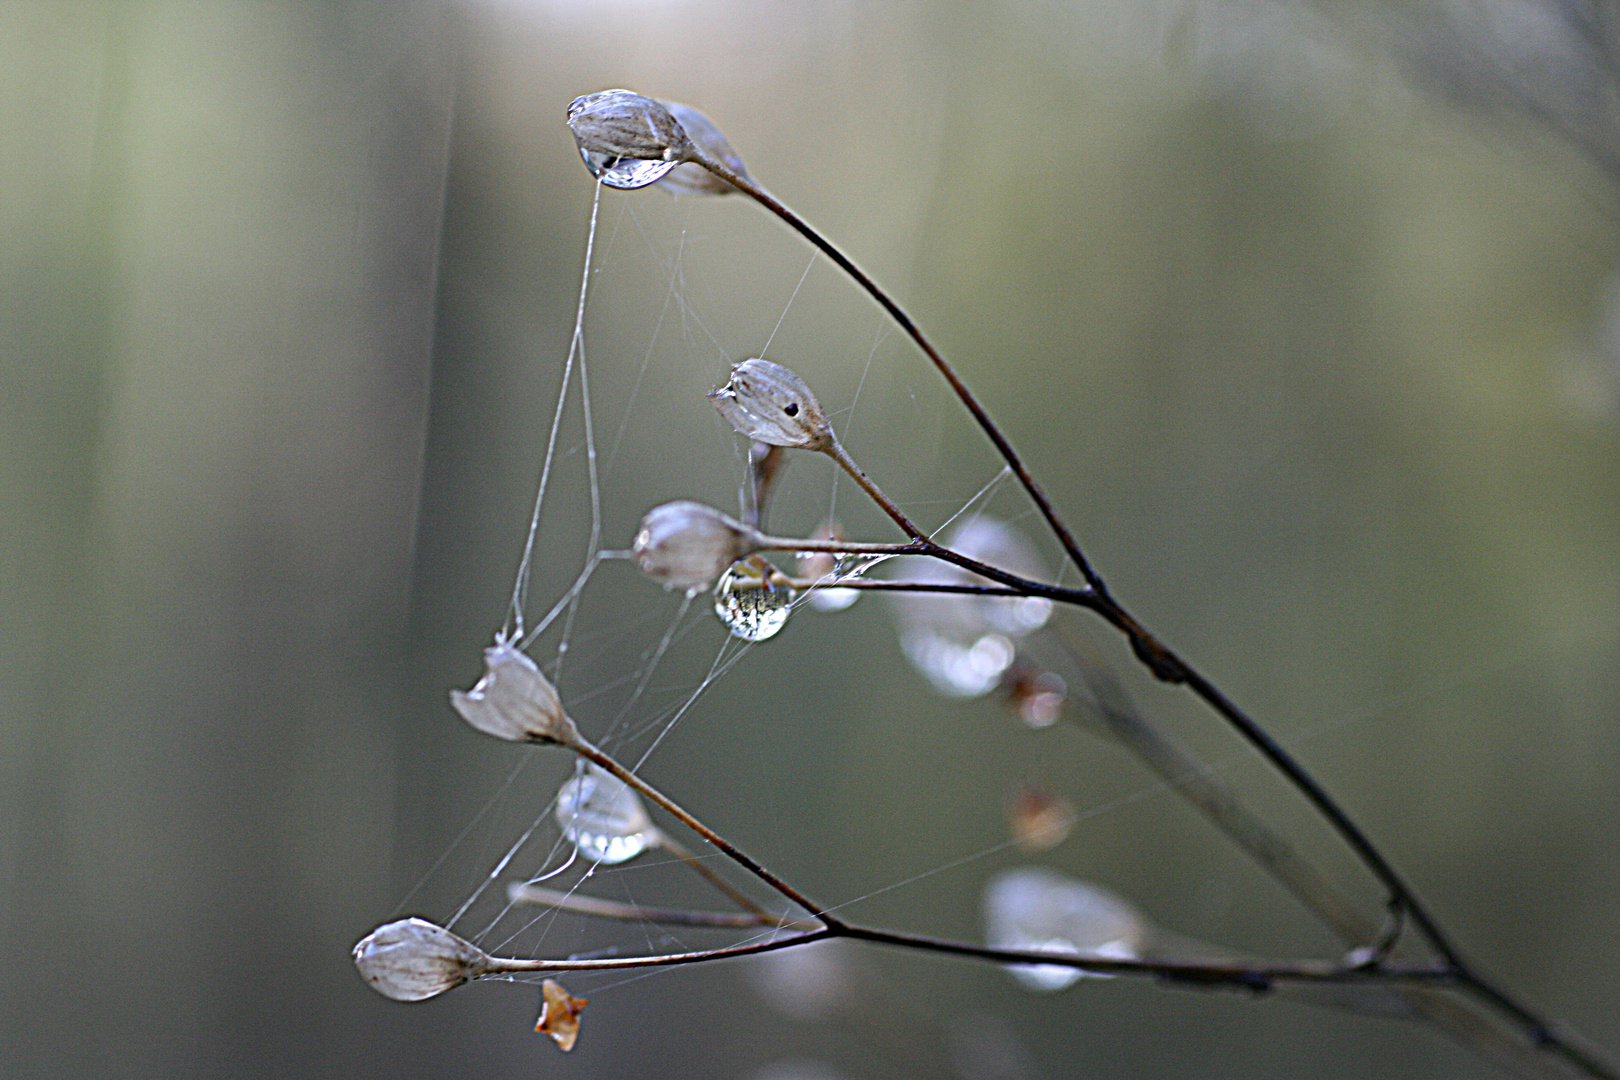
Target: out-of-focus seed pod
(1039,819)
(965,644)
(818,565)
(628,140)
(513,701)
(1037,696)
(686,545)
(768,402)
(413,960)
(693,179)
(1037,910)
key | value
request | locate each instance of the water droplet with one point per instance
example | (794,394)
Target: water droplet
(1036,910)
(603,818)
(625,173)
(748,604)
(831,600)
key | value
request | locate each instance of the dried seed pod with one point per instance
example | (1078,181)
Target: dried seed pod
(513,701)
(686,545)
(1037,910)
(413,960)
(693,179)
(767,402)
(559,1014)
(627,140)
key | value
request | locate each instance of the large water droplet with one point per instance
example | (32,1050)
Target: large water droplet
(625,173)
(748,604)
(1036,910)
(603,818)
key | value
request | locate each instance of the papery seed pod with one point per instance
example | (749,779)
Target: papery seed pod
(513,701)
(1037,910)
(603,818)
(686,545)
(559,1014)
(694,179)
(767,402)
(413,960)
(627,140)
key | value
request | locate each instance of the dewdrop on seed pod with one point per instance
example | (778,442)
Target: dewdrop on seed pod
(690,178)
(627,140)
(513,701)
(962,643)
(603,818)
(767,402)
(1037,910)
(413,960)
(686,545)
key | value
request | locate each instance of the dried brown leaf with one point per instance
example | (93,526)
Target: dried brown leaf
(559,1014)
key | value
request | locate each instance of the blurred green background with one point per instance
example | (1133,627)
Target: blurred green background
(1305,316)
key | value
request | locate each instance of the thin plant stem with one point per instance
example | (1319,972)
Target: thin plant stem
(753,190)
(1160,659)
(720,884)
(540,896)
(1255,976)
(585,749)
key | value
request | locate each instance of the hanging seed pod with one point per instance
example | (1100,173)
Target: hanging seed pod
(767,402)
(627,140)
(513,701)
(686,545)
(603,818)
(1037,910)
(413,960)
(693,179)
